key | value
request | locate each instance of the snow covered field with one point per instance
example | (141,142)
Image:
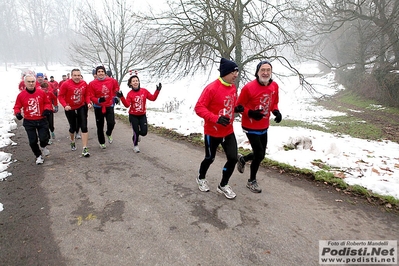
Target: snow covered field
(372,164)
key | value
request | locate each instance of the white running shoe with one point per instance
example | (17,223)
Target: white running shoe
(39,160)
(136,149)
(45,151)
(202,184)
(227,191)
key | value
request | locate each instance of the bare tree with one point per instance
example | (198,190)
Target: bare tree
(9,31)
(110,35)
(34,30)
(192,35)
(367,29)
(38,21)
(364,36)
(60,36)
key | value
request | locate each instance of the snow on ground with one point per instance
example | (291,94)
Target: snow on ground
(372,164)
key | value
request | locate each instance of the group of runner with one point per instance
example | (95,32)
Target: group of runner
(39,99)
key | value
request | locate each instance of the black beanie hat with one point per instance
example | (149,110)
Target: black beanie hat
(100,67)
(227,66)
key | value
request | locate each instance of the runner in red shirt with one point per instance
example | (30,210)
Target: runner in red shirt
(74,97)
(64,78)
(216,106)
(40,79)
(55,85)
(102,93)
(54,108)
(257,100)
(21,85)
(136,101)
(35,107)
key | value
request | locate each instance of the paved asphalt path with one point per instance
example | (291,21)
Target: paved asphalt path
(122,208)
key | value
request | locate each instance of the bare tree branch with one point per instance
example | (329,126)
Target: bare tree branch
(111,37)
(194,34)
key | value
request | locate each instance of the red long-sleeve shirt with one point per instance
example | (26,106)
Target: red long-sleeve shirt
(254,96)
(50,86)
(56,87)
(60,83)
(32,104)
(106,88)
(74,94)
(21,85)
(217,99)
(137,100)
(52,98)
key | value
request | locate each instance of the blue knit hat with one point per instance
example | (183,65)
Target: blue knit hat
(39,75)
(227,66)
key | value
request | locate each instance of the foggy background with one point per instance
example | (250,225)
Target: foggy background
(358,40)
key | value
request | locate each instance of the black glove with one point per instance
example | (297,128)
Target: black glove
(55,109)
(239,109)
(46,113)
(223,120)
(159,87)
(101,99)
(278,116)
(19,116)
(116,100)
(119,94)
(256,114)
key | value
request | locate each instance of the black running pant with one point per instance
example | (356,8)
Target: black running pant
(77,118)
(139,126)
(37,129)
(50,120)
(109,116)
(229,145)
(258,143)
